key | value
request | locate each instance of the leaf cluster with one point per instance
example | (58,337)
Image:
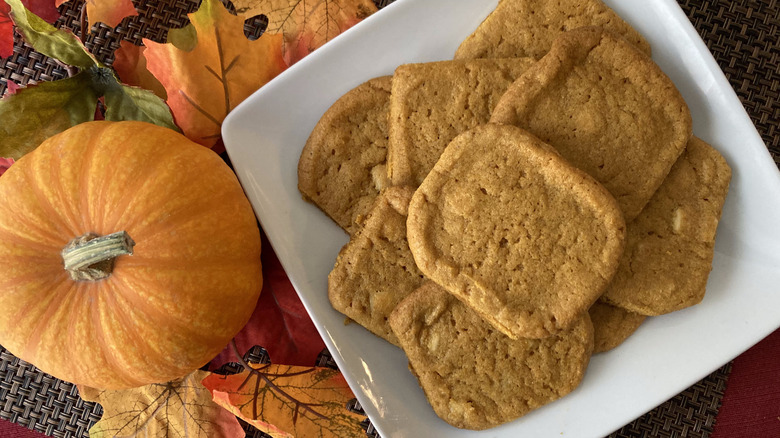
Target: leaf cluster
(37,112)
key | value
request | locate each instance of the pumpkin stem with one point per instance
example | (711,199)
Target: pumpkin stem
(91,257)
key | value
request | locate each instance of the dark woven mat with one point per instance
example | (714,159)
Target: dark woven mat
(742,35)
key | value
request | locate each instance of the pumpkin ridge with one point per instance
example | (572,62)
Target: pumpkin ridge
(210,207)
(57,220)
(117,367)
(232,260)
(84,177)
(138,304)
(59,295)
(12,230)
(20,240)
(33,275)
(116,215)
(69,207)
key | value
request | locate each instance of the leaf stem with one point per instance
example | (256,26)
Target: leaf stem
(82,21)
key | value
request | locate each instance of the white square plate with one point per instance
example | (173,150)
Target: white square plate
(264,137)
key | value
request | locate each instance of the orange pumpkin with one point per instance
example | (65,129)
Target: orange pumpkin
(86,310)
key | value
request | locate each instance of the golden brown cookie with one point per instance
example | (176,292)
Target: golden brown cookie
(607,108)
(475,377)
(375,270)
(669,246)
(516,232)
(518,28)
(433,102)
(342,166)
(612,325)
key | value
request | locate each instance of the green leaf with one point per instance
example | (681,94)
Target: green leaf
(185,38)
(47,39)
(37,112)
(130,103)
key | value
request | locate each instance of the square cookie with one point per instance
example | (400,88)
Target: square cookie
(519,28)
(605,107)
(342,166)
(670,245)
(433,102)
(375,269)
(474,376)
(508,226)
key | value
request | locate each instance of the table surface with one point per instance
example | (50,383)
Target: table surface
(743,38)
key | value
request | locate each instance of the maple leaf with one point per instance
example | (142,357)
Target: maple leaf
(180,408)
(45,9)
(288,401)
(110,12)
(280,323)
(5,163)
(207,82)
(130,66)
(307,25)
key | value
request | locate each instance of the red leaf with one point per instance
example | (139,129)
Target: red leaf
(42,8)
(6,31)
(46,9)
(5,163)
(279,324)
(11,87)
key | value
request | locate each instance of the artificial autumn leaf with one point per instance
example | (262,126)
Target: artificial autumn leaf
(132,103)
(5,163)
(42,8)
(224,68)
(307,25)
(181,408)
(6,31)
(11,87)
(110,12)
(48,40)
(130,66)
(289,401)
(35,113)
(280,323)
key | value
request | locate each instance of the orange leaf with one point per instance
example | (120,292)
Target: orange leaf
(181,408)
(289,401)
(130,65)
(223,69)
(307,25)
(110,12)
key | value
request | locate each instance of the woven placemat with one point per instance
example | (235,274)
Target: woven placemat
(742,35)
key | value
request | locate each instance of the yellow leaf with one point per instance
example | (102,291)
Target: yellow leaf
(307,25)
(224,68)
(289,401)
(181,408)
(110,12)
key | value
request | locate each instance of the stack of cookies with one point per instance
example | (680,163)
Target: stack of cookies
(517,209)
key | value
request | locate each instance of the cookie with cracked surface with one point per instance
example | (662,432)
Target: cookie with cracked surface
(474,376)
(342,166)
(518,28)
(516,232)
(605,107)
(433,102)
(375,269)
(612,325)
(670,245)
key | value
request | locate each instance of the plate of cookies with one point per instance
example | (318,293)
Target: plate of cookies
(518,217)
